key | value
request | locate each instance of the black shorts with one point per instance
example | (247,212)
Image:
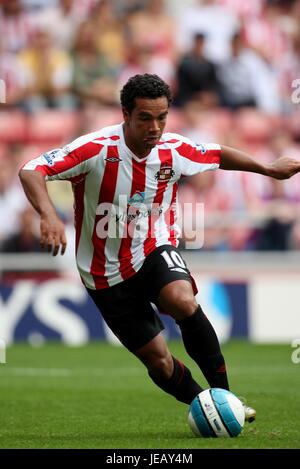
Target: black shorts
(126,307)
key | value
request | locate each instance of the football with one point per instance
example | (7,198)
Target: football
(216,413)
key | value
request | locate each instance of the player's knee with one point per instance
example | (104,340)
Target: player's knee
(161,366)
(177,298)
(185,306)
(180,304)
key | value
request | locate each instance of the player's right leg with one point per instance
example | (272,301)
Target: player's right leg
(170,288)
(134,321)
(166,371)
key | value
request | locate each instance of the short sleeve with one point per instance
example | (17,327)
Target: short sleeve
(195,158)
(65,163)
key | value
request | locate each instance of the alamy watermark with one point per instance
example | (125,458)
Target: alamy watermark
(295,357)
(2,351)
(295,97)
(136,220)
(2,91)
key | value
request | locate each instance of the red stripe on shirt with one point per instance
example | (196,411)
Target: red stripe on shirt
(78,185)
(113,137)
(106,194)
(74,158)
(78,190)
(165,157)
(194,154)
(137,185)
(170,217)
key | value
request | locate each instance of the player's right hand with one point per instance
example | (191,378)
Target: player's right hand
(53,234)
(284,167)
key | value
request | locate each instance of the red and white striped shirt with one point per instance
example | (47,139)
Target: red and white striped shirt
(125,206)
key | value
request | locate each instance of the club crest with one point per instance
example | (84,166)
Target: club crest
(165,173)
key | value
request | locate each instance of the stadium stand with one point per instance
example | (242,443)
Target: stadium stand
(92,44)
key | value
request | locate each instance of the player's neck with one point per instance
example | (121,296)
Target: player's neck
(134,147)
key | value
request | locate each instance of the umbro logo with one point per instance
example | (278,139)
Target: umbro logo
(113,159)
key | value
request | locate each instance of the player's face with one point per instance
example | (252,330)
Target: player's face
(145,124)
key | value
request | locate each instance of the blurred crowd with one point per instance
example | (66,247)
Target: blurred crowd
(233,67)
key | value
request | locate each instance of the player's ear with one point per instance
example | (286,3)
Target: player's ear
(126,114)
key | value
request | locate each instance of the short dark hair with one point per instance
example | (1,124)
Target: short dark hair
(144,86)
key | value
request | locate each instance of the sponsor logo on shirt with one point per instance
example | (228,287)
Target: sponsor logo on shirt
(165,173)
(201,147)
(137,199)
(53,156)
(67,149)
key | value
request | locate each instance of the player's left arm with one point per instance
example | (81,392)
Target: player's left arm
(282,168)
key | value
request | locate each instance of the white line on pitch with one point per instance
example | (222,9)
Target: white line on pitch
(66,372)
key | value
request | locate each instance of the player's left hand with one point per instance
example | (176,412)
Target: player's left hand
(284,168)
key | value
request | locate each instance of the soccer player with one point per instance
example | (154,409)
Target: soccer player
(124,179)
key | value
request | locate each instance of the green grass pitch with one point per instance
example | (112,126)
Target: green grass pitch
(100,396)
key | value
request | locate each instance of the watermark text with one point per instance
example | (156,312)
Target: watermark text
(296,93)
(2,91)
(2,351)
(295,357)
(141,221)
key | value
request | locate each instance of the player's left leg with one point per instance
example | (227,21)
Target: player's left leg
(199,337)
(166,371)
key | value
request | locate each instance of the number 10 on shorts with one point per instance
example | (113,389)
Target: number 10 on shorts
(174,260)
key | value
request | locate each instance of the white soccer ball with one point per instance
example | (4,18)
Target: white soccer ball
(216,413)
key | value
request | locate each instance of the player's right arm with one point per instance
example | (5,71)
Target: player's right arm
(52,228)
(71,163)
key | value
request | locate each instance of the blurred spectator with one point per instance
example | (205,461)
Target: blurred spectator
(218,203)
(26,239)
(294,240)
(244,10)
(246,80)
(196,76)
(82,7)
(273,204)
(84,51)
(288,71)
(143,59)
(109,29)
(35,5)
(94,78)
(11,74)
(66,15)
(12,198)
(152,27)
(281,213)
(128,7)
(47,74)
(260,191)
(216,22)
(196,124)
(16,25)
(266,33)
